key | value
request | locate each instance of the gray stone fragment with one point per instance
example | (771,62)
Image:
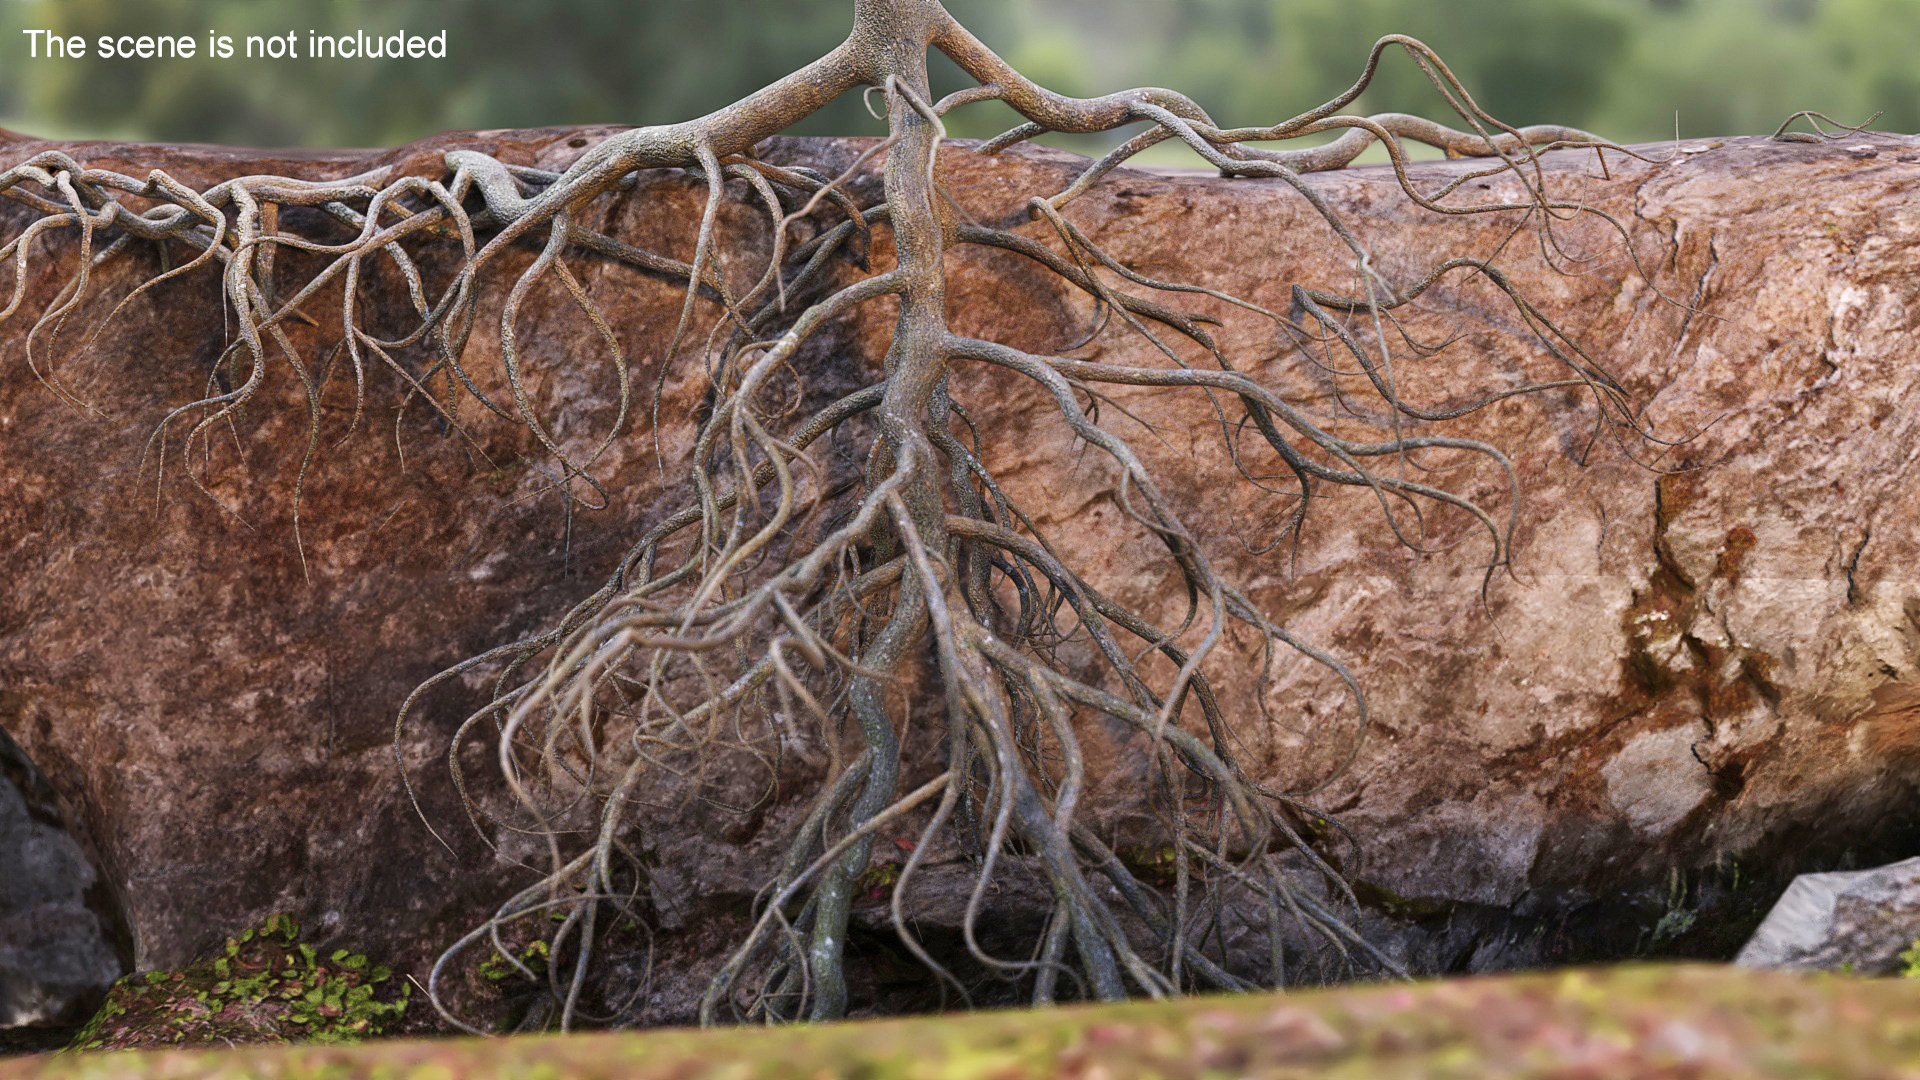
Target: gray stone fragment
(55,956)
(1859,920)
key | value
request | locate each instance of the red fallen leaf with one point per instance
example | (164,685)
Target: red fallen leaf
(903,844)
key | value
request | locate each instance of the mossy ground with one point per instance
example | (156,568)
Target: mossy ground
(264,986)
(1641,1022)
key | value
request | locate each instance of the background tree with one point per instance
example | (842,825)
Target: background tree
(1627,67)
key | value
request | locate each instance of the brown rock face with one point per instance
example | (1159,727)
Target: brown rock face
(1694,678)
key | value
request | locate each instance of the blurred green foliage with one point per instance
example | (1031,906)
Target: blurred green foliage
(1626,68)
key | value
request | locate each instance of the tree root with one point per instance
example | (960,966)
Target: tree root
(789,595)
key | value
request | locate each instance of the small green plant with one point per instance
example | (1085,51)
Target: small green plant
(1910,961)
(1674,923)
(1679,916)
(263,986)
(533,958)
(876,881)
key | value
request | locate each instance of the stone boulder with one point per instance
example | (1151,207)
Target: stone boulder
(1702,676)
(57,940)
(1861,921)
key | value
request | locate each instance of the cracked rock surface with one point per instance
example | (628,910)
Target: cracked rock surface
(1696,682)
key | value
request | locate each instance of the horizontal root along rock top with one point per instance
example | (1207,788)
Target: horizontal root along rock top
(224,722)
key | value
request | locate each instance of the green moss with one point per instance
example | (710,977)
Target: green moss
(264,986)
(1704,1022)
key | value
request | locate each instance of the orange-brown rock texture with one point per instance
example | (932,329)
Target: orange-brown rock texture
(1703,672)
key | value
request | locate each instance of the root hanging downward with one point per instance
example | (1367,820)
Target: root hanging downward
(794,588)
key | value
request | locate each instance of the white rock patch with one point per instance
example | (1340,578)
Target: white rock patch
(1654,780)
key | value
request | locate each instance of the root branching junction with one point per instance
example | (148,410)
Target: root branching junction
(796,599)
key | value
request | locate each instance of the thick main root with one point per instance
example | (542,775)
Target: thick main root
(798,592)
